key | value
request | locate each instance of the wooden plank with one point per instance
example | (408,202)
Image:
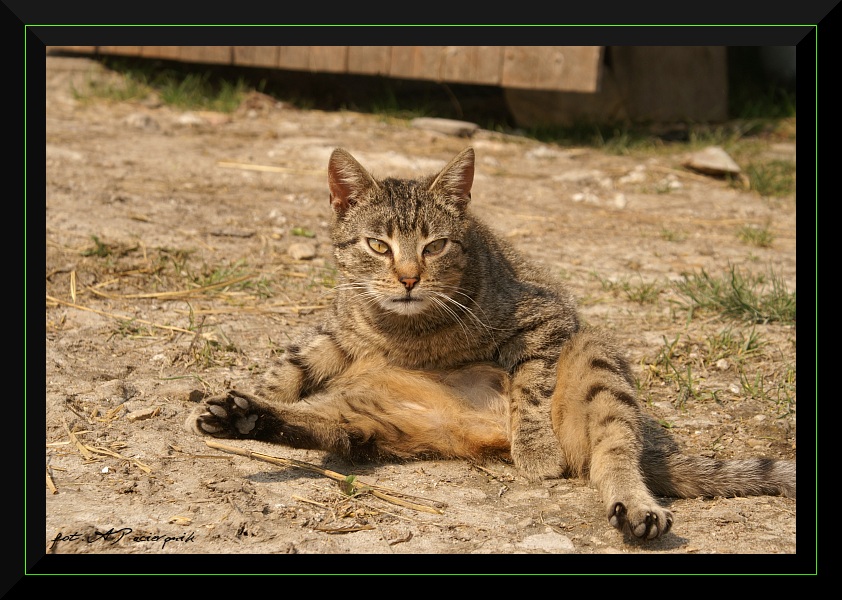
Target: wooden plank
(400,64)
(417,62)
(75,49)
(256,56)
(674,83)
(161,52)
(329,59)
(120,50)
(567,68)
(296,58)
(220,55)
(369,60)
(479,65)
(639,84)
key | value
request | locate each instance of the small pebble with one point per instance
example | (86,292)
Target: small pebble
(302,251)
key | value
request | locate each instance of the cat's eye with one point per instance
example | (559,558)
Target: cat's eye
(435,247)
(378,246)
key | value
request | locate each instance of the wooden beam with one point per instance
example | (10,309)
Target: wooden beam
(369,60)
(256,56)
(567,68)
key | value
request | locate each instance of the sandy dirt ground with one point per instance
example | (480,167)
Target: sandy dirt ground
(184,249)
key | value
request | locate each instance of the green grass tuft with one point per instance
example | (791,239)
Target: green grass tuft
(174,86)
(756,298)
(756,236)
(773,179)
(100,249)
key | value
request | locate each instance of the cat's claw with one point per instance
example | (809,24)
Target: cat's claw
(227,415)
(645,524)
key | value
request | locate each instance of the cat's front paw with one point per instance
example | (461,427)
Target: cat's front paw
(645,521)
(233,414)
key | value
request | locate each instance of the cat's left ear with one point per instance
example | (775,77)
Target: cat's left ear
(348,181)
(456,179)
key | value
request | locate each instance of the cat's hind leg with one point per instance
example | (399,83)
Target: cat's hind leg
(597,421)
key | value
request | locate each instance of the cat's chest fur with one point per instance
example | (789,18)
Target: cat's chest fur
(412,342)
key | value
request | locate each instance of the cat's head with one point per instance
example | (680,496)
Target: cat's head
(400,242)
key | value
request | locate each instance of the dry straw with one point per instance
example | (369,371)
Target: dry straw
(351,485)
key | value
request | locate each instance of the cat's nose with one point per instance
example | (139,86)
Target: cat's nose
(408,282)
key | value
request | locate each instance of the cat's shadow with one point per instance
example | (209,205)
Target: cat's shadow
(668,542)
(283,474)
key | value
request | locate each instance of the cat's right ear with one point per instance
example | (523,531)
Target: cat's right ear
(348,181)
(456,179)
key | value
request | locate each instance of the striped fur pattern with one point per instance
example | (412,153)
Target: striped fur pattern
(444,342)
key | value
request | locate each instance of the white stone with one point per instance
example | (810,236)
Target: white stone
(447,126)
(548,542)
(713,160)
(190,118)
(302,251)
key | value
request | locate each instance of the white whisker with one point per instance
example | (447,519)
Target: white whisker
(451,312)
(459,291)
(470,313)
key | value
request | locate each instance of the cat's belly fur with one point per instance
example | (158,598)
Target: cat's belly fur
(458,412)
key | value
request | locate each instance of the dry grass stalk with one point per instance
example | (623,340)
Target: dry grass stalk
(356,486)
(83,450)
(269,308)
(192,456)
(103,451)
(308,501)
(490,473)
(119,317)
(176,294)
(112,414)
(179,520)
(347,529)
(89,451)
(50,483)
(267,168)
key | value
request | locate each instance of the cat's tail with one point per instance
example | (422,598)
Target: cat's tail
(668,472)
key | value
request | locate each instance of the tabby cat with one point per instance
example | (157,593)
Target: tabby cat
(444,342)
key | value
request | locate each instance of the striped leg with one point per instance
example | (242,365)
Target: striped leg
(597,421)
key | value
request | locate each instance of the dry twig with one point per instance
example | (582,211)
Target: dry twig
(346,529)
(103,451)
(50,483)
(175,294)
(79,445)
(267,168)
(119,317)
(356,486)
